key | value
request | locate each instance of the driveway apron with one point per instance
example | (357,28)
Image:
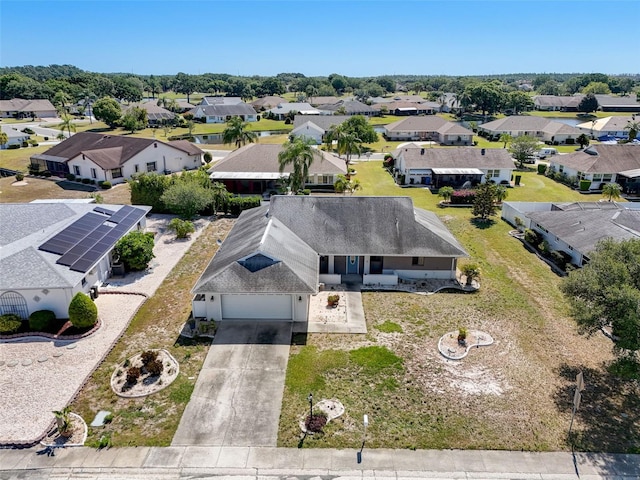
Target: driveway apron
(237,397)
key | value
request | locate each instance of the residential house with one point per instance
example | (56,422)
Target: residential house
(51,251)
(602,164)
(223,112)
(323,100)
(277,256)
(439,167)
(350,107)
(431,128)
(115,158)
(550,103)
(315,126)
(613,103)
(606,127)
(14,136)
(575,228)
(267,102)
(400,108)
(21,108)
(398,98)
(255,169)
(538,127)
(156,115)
(184,106)
(220,101)
(285,109)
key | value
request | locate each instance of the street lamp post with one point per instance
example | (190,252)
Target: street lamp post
(310,398)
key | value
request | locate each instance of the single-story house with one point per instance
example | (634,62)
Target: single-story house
(51,251)
(557,103)
(315,126)
(21,108)
(115,158)
(156,115)
(255,169)
(613,103)
(220,101)
(400,108)
(398,98)
(440,167)
(609,126)
(431,128)
(221,113)
(537,127)
(576,228)
(184,106)
(351,107)
(14,136)
(276,256)
(284,109)
(602,164)
(267,102)
(323,100)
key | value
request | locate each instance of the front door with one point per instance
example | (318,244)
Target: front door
(352,265)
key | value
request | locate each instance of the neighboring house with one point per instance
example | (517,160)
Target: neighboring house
(431,128)
(21,108)
(400,108)
(255,169)
(184,106)
(350,107)
(267,102)
(557,103)
(220,101)
(609,127)
(399,98)
(576,228)
(326,100)
(15,136)
(156,115)
(221,113)
(276,256)
(116,158)
(603,164)
(440,167)
(315,126)
(538,127)
(51,251)
(611,103)
(284,109)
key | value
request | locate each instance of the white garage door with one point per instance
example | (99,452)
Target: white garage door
(272,307)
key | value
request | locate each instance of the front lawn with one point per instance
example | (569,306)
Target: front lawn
(513,395)
(18,159)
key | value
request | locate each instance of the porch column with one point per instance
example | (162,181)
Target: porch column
(367,264)
(331,260)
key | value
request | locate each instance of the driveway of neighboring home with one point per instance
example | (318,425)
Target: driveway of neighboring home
(237,397)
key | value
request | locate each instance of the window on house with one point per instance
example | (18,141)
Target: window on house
(493,173)
(607,177)
(76,170)
(94,174)
(325,179)
(136,167)
(151,167)
(84,282)
(116,173)
(561,168)
(597,177)
(417,261)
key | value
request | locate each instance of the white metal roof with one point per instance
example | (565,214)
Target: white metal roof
(631,173)
(457,171)
(248,175)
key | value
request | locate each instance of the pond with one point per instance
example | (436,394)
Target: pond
(216,138)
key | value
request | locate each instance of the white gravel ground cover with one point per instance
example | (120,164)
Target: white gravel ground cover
(38,375)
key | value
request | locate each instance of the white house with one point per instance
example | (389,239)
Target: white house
(609,126)
(221,113)
(51,251)
(116,158)
(537,127)
(439,167)
(283,109)
(276,256)
(14,136)
(429,128)
(309,131)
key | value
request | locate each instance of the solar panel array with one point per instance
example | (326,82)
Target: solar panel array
(89,238)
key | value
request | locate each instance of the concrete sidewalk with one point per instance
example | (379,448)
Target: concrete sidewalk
(271,463)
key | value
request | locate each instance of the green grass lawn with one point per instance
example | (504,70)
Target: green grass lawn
(415,399)
(19,159)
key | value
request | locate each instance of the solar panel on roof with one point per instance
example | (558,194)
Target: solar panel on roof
(86,244)
(122,213)
(106,211)
(67,238)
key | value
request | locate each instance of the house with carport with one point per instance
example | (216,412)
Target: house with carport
(440,167)
(51,251)
(255,169)
(116,158)
(277,256)
(430,128)
(537,127)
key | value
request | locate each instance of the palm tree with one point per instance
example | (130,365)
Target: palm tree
(4,138)
(500,193)
(300,155)
(632,127)
(505,138)
(236,133)
(348,144)
(612,191)
(67,124)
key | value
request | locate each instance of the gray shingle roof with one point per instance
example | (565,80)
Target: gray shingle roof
(22,105)
(224,109)
(609,159)
(296,269)
(269,101)
(350,106)
(421,157)
(325,122)
(519,123)
(430,123)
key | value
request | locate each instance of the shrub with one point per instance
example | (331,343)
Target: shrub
(584,185)
(71,177)
(46,173)
(34,169)
(25,144)
(19,176)
(105,185)
(40,320)
(317,422)
(531,236)
(306,191)
(10,323)
(83,313)
(331,299)
(133,374)
(155,368)
(235,205)
(135,250)
(86,181)
(182,227)
(148,356)
(542,168)
(28,131)
(463,197)
(46,139)
(207,157)
(13,146)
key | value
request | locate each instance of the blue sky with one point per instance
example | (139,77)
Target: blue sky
(353,38)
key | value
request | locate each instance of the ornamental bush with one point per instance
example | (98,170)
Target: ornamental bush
(83,313)
(10,323)
(182,227)
(155,368)
(40,320)
(463,197)
(133,374)
(531,236)
(135,250)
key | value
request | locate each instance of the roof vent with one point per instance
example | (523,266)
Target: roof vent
(422,151)
(483,151)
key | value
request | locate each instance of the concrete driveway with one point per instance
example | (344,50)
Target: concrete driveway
(237,397)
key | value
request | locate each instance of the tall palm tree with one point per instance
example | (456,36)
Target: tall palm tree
(300,155)
(67,124)
(505,138)
(632,127)
(236,133)
(348,144)
(612,190)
